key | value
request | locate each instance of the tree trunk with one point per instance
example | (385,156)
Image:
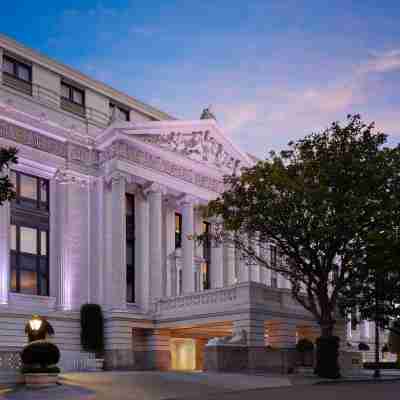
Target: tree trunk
(327,352)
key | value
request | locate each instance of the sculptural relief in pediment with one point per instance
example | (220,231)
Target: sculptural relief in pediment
(198,146)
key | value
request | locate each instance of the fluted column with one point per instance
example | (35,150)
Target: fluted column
(229,263)
(188,278)
(217,265)
(4,251)
(155,193)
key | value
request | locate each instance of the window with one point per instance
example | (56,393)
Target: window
(130,247)
(72,98)
(178,231)
(29,235)
(119,112)
(17,69)
(205,265)
(17,74)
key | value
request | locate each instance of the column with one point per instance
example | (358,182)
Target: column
(4,251)
(155,231)
(217,265)
(187,246)
(115,268)
(229,263)
(255,274)
(142,270)
(169,247)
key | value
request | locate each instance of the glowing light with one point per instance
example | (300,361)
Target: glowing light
(35,323)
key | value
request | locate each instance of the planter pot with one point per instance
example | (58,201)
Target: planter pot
(38,380)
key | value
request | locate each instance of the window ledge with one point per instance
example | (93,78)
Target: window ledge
(31,302)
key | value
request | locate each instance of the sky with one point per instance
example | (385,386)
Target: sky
(272,71)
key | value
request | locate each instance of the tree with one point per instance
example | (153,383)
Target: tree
(7,157)
(313,201)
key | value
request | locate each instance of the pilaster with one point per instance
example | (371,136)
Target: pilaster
(4,251)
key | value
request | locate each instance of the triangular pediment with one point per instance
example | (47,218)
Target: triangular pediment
(201,141)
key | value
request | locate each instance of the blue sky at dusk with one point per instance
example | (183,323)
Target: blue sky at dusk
(272,70)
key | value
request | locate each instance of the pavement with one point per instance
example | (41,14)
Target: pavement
(154,385)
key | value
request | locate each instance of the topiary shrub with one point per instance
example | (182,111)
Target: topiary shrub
(363,346)
(305,347)
(92,328)
(40,353)
(327,355)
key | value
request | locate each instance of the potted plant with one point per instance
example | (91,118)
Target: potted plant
(40,356)
(305,348)
(92,332)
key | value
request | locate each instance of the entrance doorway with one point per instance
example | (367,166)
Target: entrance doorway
(183,354)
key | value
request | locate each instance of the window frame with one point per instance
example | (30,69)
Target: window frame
(178,231)
(71,90)
(121,109)
(32,214)
(16,64)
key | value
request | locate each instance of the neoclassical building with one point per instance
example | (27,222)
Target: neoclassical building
(108,195)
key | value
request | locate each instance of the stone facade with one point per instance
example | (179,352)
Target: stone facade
(91,162)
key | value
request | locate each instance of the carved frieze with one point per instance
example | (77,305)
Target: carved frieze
(32,139)
(198,146)
(128,152)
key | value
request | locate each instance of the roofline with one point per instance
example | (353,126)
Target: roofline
(62,69)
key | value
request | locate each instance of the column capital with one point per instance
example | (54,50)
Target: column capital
(66,176)
(188,200)
(116,177)
(154,187)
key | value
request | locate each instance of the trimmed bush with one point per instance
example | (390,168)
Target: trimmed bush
(382,365)
(327,355)
(304,345)
(41,353)
(92,328)
(363,346)
(29,369)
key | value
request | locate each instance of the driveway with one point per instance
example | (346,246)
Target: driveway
(149,385)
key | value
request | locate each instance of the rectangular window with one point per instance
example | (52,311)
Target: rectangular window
(17,69)
(130,247)
(17,74)
(118,112)
(178,231)
(273,256)
(72,99)
(29,235)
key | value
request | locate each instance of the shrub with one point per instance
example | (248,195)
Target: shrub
(304,345)
(92,328)
(327,364)
(363,346)
(41,353)
(394,340)
(29,369)
(385,348)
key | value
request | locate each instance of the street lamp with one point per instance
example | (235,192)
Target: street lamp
(35,323)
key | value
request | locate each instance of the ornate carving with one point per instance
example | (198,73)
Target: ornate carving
(207,114)
(66,177)
(128,152)
(198,146)
(32,139)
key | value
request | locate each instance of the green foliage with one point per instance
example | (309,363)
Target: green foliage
(92,328)
(319,202)
(304,345)
(327,365)
(7,157)
(41,352)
